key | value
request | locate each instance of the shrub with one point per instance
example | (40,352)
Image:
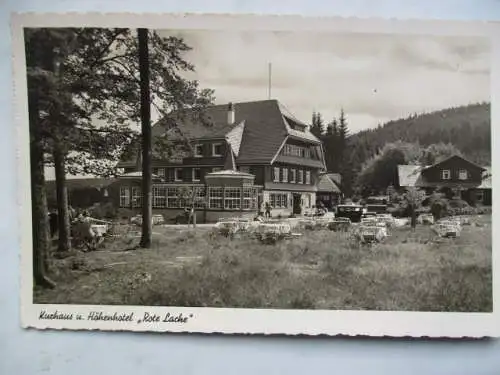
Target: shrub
(439,208)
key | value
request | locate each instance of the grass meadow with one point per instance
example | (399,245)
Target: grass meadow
(411,271)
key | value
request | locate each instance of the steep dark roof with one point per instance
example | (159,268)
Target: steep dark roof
(455,157)
(266,125)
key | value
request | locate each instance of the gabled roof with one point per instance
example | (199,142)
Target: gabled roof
(411,175)
(454,157)
(260,126)
(327,185)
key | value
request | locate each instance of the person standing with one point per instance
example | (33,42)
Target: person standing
(268,210)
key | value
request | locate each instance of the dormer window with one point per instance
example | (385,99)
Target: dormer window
(198,151)
(217,149)
(445,174)
(462,174)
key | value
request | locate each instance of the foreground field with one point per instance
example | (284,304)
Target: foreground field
(320,270)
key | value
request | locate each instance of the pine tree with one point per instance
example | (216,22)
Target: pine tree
(317,126)
(346,165)
(88,74)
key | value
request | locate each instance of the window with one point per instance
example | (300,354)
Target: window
(198,151)
(159,196)
(217,149)
(172,201)
(284,177)
(301,176)
(293,176)
(161,172)
(215,195)
(136,197)
(245,169)
(445,174)
(124,196)
(462,174)
(249,198)
(308,177)
(196,174)
(216,169)
(232,198)
(298,151)
(199,199)
(276,174)
(178,174)
(278,200)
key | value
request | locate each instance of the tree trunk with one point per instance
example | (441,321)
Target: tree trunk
(147,199)
(39,212)
(64,243)
(413,217)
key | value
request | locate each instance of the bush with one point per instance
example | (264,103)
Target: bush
(458,203)
(439,208)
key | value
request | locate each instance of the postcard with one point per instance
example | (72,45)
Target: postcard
(250,174)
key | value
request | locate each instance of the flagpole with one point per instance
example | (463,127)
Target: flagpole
(269,84)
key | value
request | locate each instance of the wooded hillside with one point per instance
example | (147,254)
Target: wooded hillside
(466,127)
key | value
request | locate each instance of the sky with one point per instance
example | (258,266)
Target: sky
(373,77)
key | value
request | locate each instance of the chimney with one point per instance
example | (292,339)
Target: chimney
(230,114)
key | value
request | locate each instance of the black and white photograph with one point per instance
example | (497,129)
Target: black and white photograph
(188,170)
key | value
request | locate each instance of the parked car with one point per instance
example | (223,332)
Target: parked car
(354,212)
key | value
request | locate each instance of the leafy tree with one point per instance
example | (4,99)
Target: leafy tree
(88,98)
(439,205)
(380,172)
(414,198)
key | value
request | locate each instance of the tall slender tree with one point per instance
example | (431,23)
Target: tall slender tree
(317,124)
(147,197)
(39,213)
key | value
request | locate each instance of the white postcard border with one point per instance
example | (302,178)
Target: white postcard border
(245,321)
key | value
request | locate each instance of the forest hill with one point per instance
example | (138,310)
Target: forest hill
(463,130)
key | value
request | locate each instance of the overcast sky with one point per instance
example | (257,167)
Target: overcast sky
(375,78)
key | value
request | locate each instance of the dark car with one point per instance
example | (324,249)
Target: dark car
(350,211)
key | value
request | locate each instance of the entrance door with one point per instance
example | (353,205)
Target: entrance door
(297,202)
